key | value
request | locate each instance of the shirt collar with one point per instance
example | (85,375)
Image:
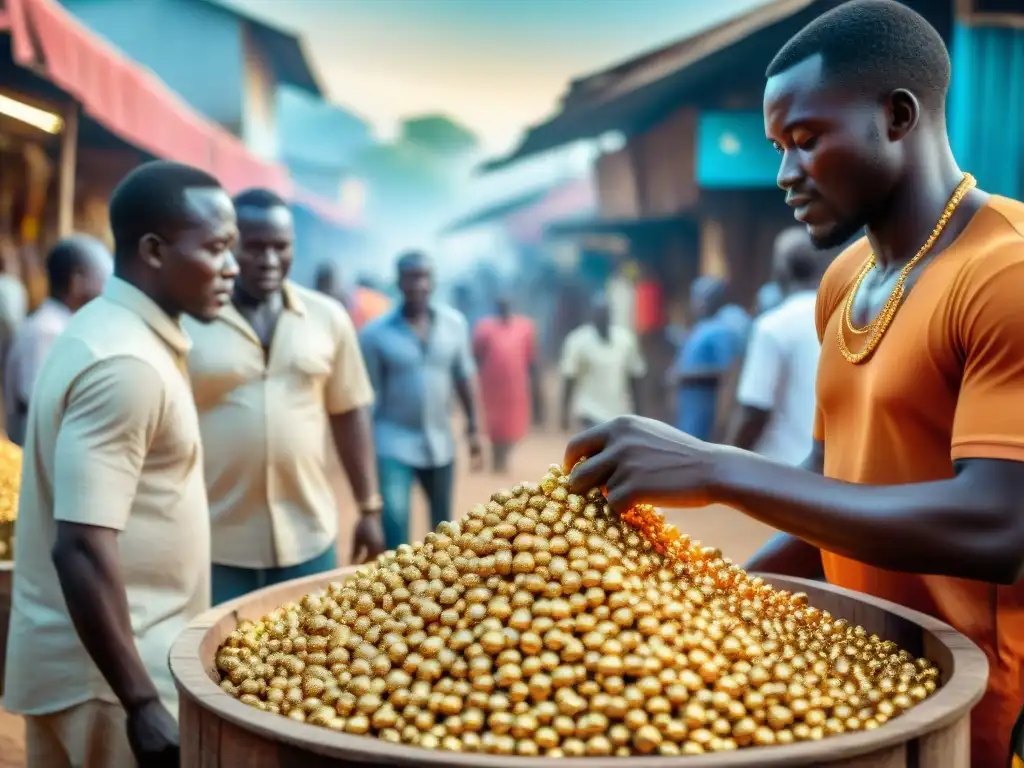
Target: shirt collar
(131,298)
(51,304)
(292,303)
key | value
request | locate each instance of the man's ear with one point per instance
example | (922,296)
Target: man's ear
(151,250)
(904,112)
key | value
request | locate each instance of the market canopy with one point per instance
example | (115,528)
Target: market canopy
(133,103)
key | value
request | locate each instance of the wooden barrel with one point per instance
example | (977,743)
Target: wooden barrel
(6,585)
(217,730)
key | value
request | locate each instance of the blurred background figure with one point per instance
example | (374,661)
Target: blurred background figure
(363,302)
(709,350)
(775,396)
(602,369)
(329,281)
(77,269)
(419,358)
(768,297)
(505,348)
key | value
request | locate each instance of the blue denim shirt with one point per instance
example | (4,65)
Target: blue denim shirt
(712,344)
(414,384)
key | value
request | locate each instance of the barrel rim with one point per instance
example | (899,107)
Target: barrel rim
(951,702)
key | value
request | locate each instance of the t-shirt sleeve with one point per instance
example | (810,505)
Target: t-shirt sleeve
(988,329)
(348,386)
(113,412)
(762,369)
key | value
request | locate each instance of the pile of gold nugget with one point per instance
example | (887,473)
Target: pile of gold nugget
(543,624)
(10,485)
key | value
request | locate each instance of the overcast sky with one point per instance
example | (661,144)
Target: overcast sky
(495,65)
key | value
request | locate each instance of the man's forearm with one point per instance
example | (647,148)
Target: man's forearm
(746,427)
(568,387)
(353,438)
(464,388)
(89,571)
(948,527)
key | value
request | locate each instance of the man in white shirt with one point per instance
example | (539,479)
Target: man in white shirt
(76,268)
(776,388)
(112,549)
(601,369)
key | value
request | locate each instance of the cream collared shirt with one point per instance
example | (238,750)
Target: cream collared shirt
(264,422)
(112,440)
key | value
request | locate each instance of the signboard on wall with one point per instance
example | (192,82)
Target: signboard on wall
(732,152)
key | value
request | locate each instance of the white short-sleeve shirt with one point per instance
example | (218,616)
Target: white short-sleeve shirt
(112,440)
(602,369)
(778,376)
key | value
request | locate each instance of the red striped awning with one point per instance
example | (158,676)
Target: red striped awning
(134,104)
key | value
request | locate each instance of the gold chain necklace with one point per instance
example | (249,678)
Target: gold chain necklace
(877,327)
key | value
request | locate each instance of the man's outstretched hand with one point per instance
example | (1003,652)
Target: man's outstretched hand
(643,461)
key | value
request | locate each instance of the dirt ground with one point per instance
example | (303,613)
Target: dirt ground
(737,536)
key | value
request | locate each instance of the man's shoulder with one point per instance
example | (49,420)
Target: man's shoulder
(780,318)
(450,316)
(324,311)
(378,326)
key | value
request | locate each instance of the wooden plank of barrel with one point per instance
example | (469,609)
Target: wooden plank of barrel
(217,730)
(6,585)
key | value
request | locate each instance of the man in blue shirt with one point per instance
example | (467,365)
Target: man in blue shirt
(709,350)
(418,356)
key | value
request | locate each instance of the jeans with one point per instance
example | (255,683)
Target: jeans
(396,481)
(230,582)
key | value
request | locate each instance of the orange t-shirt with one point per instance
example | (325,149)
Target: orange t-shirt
(945,383)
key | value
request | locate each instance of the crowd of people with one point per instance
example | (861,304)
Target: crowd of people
(179,400)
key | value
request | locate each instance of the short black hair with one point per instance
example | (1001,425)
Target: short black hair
(151,200)
(259,198)
(878,45)
(68,257)
(413,260)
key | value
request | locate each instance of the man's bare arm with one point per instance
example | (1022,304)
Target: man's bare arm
(747,426)
(89,568)
(101,447)
(970,526)
(786,554)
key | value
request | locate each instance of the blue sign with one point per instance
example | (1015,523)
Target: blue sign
(732,152)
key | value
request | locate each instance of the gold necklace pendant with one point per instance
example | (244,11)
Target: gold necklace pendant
(876,329)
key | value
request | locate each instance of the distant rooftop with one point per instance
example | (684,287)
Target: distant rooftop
(286,50)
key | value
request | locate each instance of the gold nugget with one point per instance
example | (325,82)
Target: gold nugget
(545,624)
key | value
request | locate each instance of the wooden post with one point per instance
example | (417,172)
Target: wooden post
(66,175)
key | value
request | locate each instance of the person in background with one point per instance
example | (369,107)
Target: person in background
(775,395)
(913,487)
(419,356)
(769,296)
(602,368)
(329,282)
(77,269)
(275,375)
(112,546)
(710,348)
(505,349)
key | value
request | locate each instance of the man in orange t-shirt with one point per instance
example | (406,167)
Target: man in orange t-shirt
(915,488)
